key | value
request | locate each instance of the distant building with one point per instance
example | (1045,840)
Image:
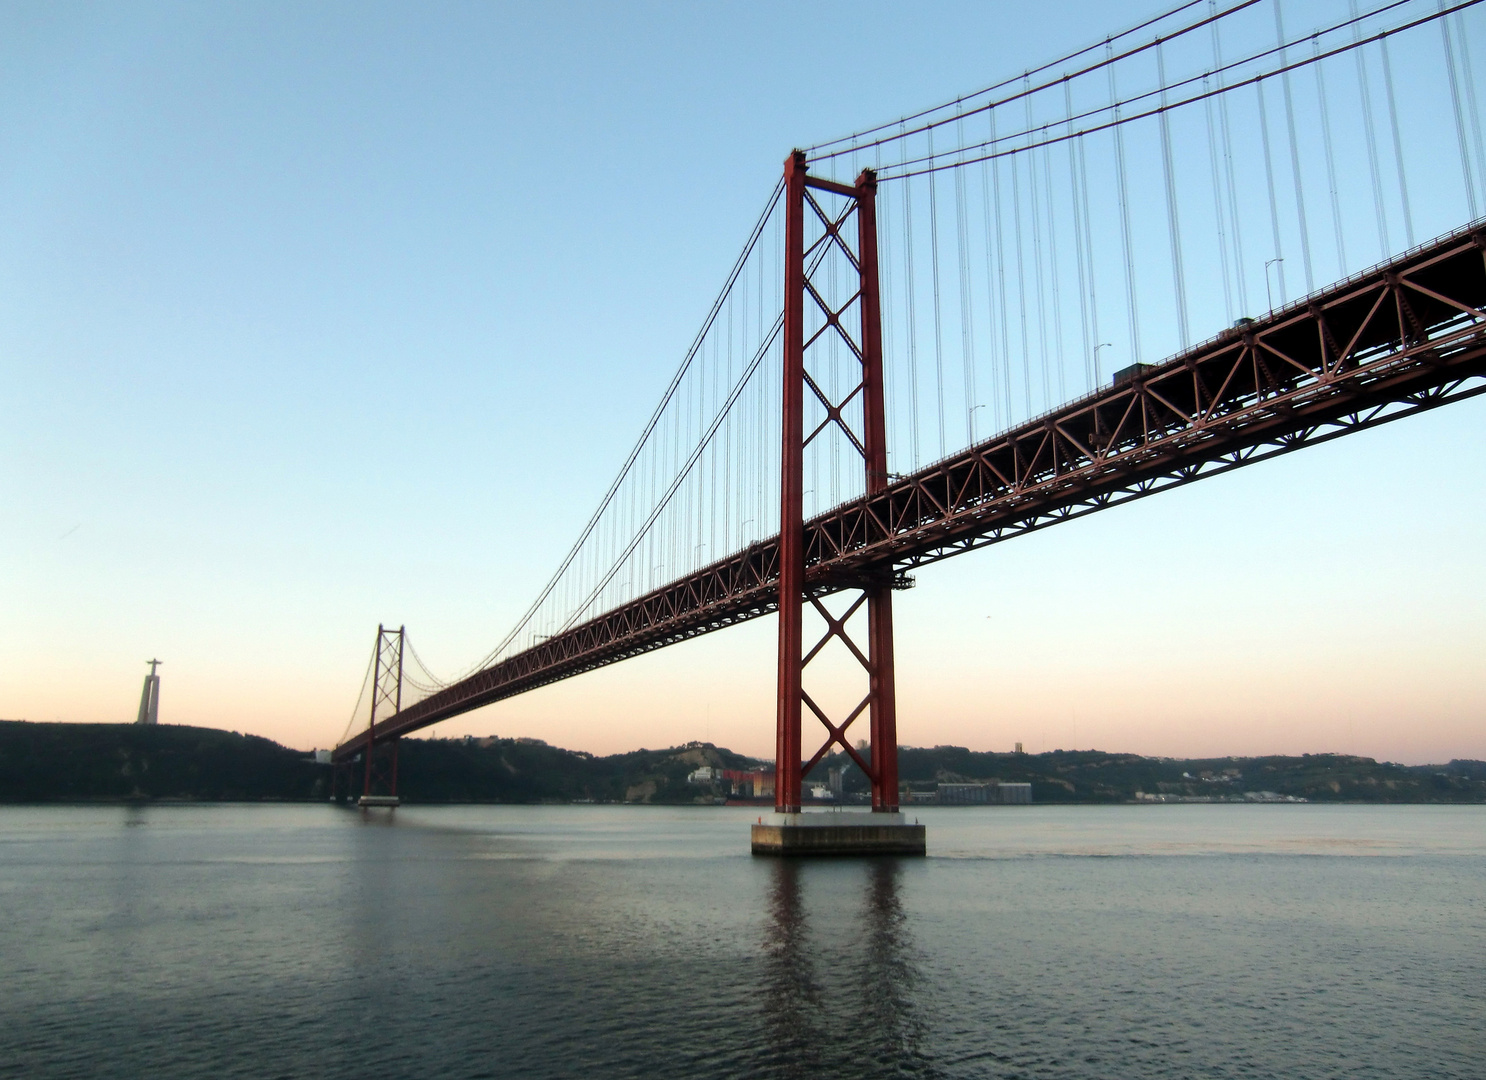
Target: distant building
(750,783)
(322,757)
(705,775)
(976,794)
(967,794)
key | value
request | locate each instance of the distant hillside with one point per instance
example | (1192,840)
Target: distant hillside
(114,762)
(527,770)
(84,762)
(1097,776)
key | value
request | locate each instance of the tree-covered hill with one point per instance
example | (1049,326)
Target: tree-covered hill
(1098,776)
(528,770)
(89,762)
(84,762)
(111,762)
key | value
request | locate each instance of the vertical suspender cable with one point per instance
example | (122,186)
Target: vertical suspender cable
(1052,270)
(1403,182)
(938,320)
(692,485)
(763,455)
(1173,220)
(759,449)
(1219,217)
(1305,234)
(886,304)
(833,348)
(814,490)
(652,534)
(910,291)
(1232,185)
(727,433)
(1274,212)
(1036,215)
(996,327)
(1470,97)
(704,493)
(1021,278)
(1078,236)
(967,326)
(1336,205)
(632,483)
(1369,130)
(749,436)
(672,514)
(1001,275)
(1083,197)
(687,519)
(1119,143)
(1465,157)
(741,425)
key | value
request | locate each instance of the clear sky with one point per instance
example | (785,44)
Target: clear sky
(315,316)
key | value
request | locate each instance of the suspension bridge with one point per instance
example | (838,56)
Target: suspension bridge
(977,321)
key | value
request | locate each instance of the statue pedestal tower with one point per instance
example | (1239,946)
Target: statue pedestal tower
(149,698)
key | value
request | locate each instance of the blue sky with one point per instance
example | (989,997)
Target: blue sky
(318,316)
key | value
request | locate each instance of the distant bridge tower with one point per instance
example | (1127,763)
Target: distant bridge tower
(379,785)
(149,698)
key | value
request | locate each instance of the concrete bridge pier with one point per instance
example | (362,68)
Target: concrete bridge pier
(837,834)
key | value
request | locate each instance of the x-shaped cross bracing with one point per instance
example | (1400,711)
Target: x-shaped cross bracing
(836,628)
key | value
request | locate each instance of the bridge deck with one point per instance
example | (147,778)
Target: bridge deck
(1402,338)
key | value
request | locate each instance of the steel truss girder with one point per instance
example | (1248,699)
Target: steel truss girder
(1403,338)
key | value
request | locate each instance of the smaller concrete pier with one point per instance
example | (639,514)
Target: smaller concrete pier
(837,834)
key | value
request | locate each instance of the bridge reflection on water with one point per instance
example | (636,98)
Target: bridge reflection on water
(879,1017)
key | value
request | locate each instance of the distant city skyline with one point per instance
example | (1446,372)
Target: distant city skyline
(312,318)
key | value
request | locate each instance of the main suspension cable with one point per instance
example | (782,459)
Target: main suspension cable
(1380,37)
(1014,137)
(1025,78)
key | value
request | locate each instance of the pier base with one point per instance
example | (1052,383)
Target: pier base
(379,800)
(837,834)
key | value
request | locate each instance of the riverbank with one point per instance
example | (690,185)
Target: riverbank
(49,763)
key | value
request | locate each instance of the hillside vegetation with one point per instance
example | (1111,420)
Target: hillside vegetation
(1096,776)
(114,762)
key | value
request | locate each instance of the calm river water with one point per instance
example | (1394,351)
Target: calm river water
(1122,942)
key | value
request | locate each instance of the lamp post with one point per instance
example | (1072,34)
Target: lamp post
(1099,374)
(1281,273)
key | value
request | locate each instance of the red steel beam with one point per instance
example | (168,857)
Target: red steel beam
(791,494)
(883,711)
(871,442)
(1402,338)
